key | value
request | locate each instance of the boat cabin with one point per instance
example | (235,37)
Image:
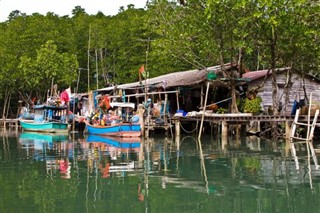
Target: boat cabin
(43,113)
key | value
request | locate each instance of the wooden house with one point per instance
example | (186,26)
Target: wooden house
(184,90)
(300,87)
(187,90)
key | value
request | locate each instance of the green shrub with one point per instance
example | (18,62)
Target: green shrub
(252,106)
(221,110)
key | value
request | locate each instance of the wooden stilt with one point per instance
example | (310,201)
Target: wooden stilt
(177,127)
(224,129)
(288,129)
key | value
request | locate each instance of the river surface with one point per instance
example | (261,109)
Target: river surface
(77,173)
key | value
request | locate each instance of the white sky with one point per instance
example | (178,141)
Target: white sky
(65,7)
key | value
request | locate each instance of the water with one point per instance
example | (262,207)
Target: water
(42,173)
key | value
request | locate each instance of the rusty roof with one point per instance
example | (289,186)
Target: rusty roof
(254,75)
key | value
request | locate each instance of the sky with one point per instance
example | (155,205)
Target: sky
(65,7)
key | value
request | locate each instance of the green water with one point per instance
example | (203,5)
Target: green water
(68,174)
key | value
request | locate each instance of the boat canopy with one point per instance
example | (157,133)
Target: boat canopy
(42,107)
(122,104)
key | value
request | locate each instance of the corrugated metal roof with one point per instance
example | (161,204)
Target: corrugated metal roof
(176,79)
(187,78)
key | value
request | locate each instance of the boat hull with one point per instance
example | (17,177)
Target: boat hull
(51,127)
(118,130)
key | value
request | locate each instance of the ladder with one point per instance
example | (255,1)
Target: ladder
(308,139)
(310,125)
(310,128)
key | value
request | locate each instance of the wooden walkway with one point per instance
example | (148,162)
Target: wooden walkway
(238,118)
(229,119)
(10,123)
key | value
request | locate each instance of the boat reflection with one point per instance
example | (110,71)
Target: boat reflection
(40,141)
(152,171)
(165,160)
(104,155)
(112,154)
(53,149)
(118,142)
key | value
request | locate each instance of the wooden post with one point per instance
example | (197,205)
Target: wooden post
(17,125)
(288,144)
(177,140)
(224,129)
(177,96)
(243,130)
(148,120)
(204,110)
(165,108)
(288,129)
(177,127)
(140,112)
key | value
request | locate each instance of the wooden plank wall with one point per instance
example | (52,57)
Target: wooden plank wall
(296,91)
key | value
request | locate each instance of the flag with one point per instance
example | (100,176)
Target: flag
(142,72)
(64,97)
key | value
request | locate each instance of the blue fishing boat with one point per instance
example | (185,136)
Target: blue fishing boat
(119,123)
(47,119)
(119,130)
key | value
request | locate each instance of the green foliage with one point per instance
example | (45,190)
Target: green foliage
(38,73)
(168,36)
(184,35)
(250,106)
(221,110)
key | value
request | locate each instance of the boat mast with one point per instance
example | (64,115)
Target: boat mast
(147,72)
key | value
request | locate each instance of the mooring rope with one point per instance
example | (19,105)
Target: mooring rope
(186,131)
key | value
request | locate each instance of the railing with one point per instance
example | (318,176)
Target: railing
(10,123)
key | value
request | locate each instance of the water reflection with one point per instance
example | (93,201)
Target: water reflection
(68,173)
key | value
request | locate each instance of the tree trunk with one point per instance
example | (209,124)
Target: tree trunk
(8,104)
(5,106)
(234,107)
(287,89)
(275,100)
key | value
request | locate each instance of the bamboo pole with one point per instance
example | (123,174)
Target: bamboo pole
(164,108)
(143,94)
(177,96)
(204,110)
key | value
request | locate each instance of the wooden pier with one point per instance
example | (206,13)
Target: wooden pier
(10,123)
(238,117)
(229,119)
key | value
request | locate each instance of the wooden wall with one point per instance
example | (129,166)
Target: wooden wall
(296,91)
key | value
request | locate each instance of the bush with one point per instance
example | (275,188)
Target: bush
(221,110)
(250,106)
